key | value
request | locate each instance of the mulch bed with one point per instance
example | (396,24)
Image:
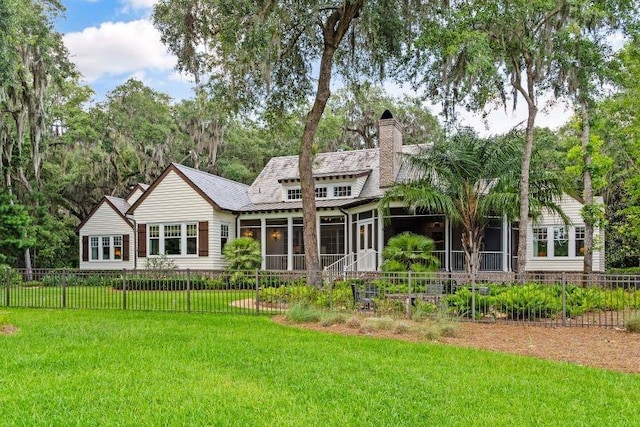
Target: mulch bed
(592,346)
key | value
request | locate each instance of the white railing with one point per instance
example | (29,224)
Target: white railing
(442,257)
(457,261)
(275,262)
(330,259)
(364,261)
(489,261)
(279,262)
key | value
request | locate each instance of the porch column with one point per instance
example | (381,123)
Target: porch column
(380,237)
(447,243)
(319,239)
(505,243)
(289,243)
(347,225)
(263,242)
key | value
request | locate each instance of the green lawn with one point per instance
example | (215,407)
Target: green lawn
(104,297)
(75,367)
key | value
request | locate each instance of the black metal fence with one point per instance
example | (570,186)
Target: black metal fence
(558,299)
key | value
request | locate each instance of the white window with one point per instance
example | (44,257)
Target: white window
(342,191)
(154,240)
(540,244)
(105,248)
(224,235)
(321,192)
(580,233)
(294,194)
(192,239)
(560,242)
(173,239)
(94,248)
(117,247)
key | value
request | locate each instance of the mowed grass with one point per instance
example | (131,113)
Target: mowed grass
(75,367)
(105,297)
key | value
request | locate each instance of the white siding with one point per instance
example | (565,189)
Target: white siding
(135,196)
(106,222)
(571,208)
(357,185)
(174,201)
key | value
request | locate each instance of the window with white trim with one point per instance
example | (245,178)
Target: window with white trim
(105,248)
(321,192)
(579,245)
(224,235)
(154,240)
(294,194)
(560,242)
(342,191)
(540,244)
(173,239)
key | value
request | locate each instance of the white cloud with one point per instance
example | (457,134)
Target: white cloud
(138,4)
(117,48)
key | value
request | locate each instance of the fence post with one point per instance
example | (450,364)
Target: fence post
(188,291)
(8,270)
(257,291)
(330,295)
(410,297)
(564,299)
(64,288)
(124,288)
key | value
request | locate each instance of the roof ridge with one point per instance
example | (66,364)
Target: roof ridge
(178,165)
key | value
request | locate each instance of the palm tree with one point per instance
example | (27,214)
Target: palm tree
(409,252)
(469,179)
(243,253)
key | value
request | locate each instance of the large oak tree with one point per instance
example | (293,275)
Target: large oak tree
(271,54)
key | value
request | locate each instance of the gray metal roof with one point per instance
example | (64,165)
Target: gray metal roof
(121,204)
(225,193)
(267,189)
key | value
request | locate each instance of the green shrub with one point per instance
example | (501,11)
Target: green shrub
(633,325)
(460,303)
(160,283)
(424,310)
(8,273)
(303,313)
(628,270)
(526,302)
(243,253)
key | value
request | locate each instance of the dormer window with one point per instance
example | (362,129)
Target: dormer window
(321,192)
(342,191)
(294,194)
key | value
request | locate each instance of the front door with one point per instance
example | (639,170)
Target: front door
(366,260)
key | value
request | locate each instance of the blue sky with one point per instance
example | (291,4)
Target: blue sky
(111,41)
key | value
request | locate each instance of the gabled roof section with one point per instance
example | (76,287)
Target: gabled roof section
(220,192)
(139,186)
(267,188)
(117,204)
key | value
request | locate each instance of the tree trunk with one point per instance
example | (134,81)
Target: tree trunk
(524,189)
(588,189)
(334,30)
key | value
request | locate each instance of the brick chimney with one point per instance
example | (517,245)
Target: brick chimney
(390,148)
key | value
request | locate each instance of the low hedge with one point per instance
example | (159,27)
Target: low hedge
(161,284)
